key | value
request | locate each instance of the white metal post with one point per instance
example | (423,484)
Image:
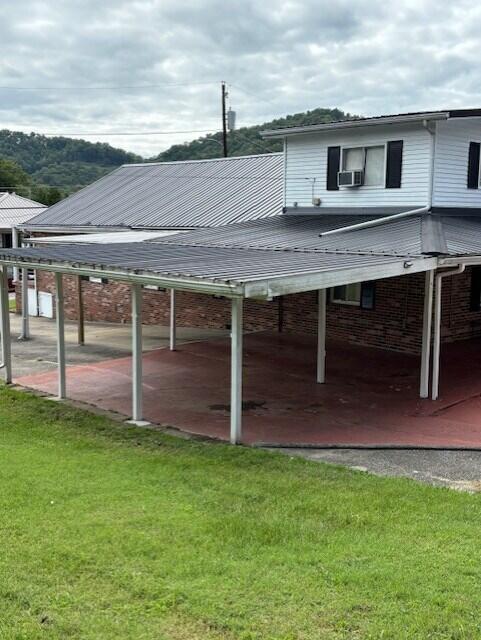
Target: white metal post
(437,339)
(25,333)
(15,245)
(173,327)
(5,325)
(59,312)
(136,352)
(427,326)
(437,326)
(236,372)
(321,336)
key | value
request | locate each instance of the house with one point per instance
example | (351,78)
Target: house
(14,211)
(379,244)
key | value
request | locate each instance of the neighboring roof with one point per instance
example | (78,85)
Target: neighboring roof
(400,118)
(112,237)
(182,195)
(15,210)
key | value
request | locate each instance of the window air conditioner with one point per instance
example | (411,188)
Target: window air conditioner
(350,178)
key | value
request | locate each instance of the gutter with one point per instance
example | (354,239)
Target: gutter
(354,124)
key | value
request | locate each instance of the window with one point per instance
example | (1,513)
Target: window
(371,160)
(360,294)
(347,294)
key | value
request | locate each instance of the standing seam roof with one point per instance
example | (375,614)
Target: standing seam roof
(201,193)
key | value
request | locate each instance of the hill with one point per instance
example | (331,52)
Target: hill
(49,168)
(61,162)
(246,140)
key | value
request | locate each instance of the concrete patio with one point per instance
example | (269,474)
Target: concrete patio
(370,398)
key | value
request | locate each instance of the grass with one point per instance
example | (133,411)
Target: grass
(114,532)
(12,305)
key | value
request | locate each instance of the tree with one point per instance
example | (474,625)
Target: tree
(14,178)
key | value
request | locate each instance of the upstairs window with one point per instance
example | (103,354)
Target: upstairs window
(371,160)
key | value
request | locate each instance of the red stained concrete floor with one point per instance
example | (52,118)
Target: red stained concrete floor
(370,398)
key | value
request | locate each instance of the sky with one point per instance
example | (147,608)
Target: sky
(109,66)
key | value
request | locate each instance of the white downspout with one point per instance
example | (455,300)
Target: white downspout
(375,222)
(437,326)
(432,164)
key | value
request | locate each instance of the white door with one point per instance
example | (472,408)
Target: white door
(45,304)
(32,302)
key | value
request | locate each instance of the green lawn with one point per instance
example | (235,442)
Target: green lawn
(109,532)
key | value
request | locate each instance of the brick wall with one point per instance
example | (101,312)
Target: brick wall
(395,323)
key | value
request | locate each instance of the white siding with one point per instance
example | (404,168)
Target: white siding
(306,158)
(451,165)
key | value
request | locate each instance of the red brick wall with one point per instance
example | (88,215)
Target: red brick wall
(395,323)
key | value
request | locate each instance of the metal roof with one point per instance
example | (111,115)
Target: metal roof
(111,237)
(15,209)
(400,118)
(411,236)
(227,271)
(199,193)
(301,233)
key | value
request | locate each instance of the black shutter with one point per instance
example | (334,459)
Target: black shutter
(475,304)
(368,295)
(394,164)
(473,165)
(333,165)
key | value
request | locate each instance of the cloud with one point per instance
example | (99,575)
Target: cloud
(278,56)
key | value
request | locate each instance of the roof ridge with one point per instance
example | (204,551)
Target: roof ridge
(201,160)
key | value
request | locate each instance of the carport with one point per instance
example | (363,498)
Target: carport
(234,273)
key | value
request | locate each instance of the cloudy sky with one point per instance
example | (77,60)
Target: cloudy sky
(155,65)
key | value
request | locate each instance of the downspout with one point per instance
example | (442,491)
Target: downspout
(437,326)
(375,222)
(432,133)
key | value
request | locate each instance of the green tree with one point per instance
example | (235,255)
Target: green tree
(14,178)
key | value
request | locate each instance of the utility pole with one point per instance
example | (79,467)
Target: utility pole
(224,119)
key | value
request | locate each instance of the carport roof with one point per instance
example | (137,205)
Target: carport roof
(252,273)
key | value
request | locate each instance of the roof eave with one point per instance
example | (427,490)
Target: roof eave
(354,124)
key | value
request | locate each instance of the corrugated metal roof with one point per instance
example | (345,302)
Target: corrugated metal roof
(462,235)
(15,209)
(250,272)
(201,193)
(301,233)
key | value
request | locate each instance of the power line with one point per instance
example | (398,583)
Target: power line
(126,133)
(109,88)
